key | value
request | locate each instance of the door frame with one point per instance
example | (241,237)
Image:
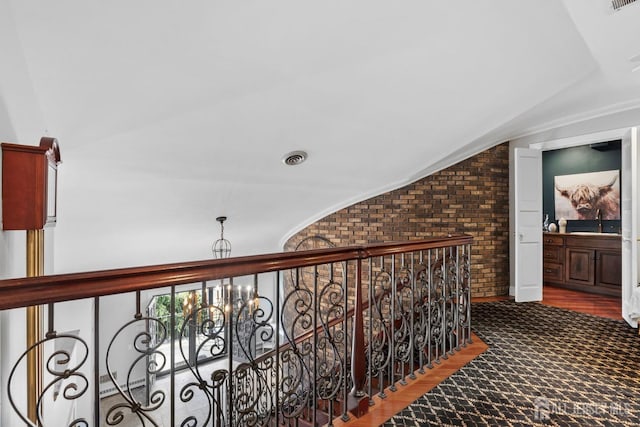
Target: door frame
(554,144)
(629,228)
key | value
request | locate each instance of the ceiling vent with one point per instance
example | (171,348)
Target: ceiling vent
(294,158)
(619,4)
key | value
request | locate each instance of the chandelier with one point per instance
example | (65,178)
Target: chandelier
(221,248)
(221,294)
(228,304)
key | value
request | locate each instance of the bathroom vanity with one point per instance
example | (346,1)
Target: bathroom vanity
(589,262)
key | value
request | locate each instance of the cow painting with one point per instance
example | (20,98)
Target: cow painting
(581,196)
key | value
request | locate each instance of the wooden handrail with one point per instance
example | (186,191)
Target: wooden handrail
(15,293)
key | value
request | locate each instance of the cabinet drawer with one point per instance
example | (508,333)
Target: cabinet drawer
(554,254)
(548,239)
(553,272)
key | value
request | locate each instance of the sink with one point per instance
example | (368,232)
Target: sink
(593,233)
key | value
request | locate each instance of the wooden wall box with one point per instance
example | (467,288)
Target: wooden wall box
(29,184)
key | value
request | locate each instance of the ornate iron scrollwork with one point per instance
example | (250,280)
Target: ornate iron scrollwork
(253,392)
(464,299)
(402,334)
(436,309)
(331,344)
(451,300)
(295,374)
(381,340)
(418,311)
(421,314)
(64,367)
(208,322)
(145,347)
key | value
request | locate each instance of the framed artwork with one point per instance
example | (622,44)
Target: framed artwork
(580,196)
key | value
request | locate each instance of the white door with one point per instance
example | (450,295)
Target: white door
(528,224)
(630,291)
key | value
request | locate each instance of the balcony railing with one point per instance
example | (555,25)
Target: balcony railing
(296,339)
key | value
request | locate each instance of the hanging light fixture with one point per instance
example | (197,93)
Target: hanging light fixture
(221,248)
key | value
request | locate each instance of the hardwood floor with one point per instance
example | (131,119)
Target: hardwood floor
(406,395)
(598,305)
(582,302)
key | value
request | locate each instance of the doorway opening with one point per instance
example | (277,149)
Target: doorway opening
(628,228)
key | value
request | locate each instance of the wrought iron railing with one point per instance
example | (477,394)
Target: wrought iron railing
(284,339)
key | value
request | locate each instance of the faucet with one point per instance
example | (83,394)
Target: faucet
(599,218)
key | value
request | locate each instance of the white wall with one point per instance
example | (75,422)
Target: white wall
(12,322)
(21,121)
(13,343)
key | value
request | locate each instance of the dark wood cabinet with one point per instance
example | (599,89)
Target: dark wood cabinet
(590,263)
(580,266)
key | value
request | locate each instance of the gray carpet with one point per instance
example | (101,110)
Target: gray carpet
(544,366)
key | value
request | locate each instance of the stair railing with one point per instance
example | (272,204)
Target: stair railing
(282,339)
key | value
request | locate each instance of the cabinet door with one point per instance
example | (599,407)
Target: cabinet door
(609,268)
(580,266)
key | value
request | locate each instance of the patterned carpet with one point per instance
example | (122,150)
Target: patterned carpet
(544,366)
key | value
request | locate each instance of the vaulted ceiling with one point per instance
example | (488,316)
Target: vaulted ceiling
(172,113)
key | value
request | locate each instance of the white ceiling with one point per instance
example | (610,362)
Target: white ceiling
(170,114)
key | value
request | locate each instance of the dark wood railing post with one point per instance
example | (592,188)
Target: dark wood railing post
(358,404)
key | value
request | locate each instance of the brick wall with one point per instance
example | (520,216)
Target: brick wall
(470,197)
